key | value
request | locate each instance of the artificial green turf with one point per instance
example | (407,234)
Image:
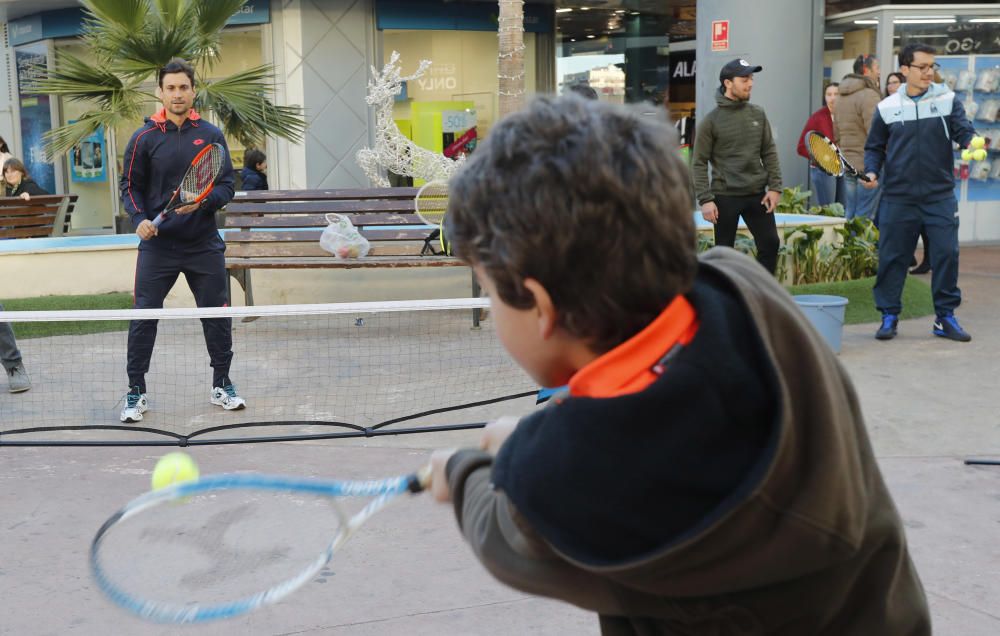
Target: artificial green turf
(51,303)
(861,306)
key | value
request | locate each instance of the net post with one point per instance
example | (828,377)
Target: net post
(477,313)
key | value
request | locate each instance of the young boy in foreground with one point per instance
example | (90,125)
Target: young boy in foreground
(708,471)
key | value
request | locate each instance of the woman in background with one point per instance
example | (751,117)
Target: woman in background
(893,82)
(824,187)
(17,182)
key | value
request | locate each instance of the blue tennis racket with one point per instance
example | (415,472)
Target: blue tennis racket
(228,544)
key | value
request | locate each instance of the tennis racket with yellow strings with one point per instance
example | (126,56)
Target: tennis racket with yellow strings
(828,157)
(431,205)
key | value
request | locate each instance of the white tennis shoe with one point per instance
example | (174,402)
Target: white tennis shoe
(135,405)
(228,398)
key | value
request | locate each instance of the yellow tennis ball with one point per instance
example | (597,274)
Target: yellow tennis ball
(979,154)
(174,468)
(977,143)
(966,155)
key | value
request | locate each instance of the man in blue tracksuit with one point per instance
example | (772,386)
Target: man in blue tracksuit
(188,241)
(911,139)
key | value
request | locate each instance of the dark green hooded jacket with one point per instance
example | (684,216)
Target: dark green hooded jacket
(736,139)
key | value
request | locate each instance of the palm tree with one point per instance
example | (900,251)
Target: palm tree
(130,41)
(510,65)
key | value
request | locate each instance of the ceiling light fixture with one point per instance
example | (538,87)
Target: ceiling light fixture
(924,21)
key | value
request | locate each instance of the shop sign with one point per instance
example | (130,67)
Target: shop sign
(972,38)
(456,121)
(720,35)
(86,159)
(683,67)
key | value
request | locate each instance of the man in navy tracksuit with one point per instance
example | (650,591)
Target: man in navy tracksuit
(911,139)
(188,241)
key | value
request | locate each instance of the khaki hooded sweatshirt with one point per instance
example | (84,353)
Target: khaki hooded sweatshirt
(852,116)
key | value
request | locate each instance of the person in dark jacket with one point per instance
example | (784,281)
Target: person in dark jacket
(911,141)
(746,177)
(17,182)
(824,186)
(187,242)
(254,173)
(708,470)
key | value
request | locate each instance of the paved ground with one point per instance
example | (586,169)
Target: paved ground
(929,404)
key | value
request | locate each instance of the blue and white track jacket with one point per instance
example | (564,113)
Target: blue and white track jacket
(912,140)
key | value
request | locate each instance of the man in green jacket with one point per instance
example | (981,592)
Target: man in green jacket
(746,178)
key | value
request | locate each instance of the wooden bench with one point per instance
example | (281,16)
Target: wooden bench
(42,216)
(280,229)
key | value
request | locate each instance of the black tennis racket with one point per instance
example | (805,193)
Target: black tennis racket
(828,156)
(198,181)
(228,544)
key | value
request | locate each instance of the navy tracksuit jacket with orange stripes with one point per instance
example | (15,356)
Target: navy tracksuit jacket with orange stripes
(156,159)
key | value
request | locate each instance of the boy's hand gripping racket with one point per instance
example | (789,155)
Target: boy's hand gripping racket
(431,205)
(228,544)
(198,181)
(829,158)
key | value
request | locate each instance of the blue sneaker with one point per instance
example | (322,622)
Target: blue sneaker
(888,329)
(948,327)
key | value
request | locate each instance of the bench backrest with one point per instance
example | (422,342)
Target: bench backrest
(42,216)
(288,223)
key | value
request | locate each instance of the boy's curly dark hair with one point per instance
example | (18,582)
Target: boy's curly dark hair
(591,199)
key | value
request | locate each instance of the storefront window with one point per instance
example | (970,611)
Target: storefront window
(455,102)
(621,53)
(967,39)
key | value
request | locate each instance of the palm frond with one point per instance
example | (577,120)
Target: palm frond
(130,15)
(211,17)
(242,104)
(77,80)
(132,40)
(61,140)
(171,11)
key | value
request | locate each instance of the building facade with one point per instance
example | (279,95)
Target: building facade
(630,51)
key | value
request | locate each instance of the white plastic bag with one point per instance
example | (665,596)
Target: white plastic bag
(341,239)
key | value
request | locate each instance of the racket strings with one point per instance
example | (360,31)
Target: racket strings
(824,154)
(218,547)
(202,174)
(432,203)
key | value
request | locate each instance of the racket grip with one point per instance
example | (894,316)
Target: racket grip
(159,219)
(420,480)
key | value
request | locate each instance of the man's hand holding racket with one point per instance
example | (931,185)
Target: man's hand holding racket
(872,181)
(147,229)
(196,184)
